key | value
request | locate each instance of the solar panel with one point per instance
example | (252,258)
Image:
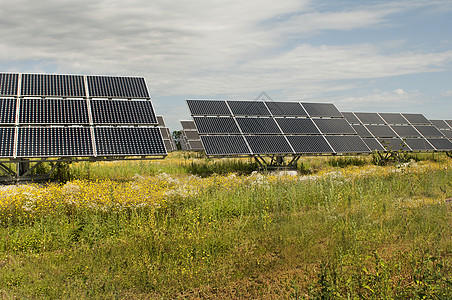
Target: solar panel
(225,145)
(268,144)
(449,122)
(6,141)
(128,141)
(196,145)
(405,131)
(416,119)
(321,109)
(53,111)
(7,111)
(8,84)
(208,108)
(187,125)
(160,121)
(287,109)
(168,145)
(45,85)
(419,144)
(362,131)
(381,131)
(122,112)
(191,135)
(54,142)
(447,133)
(393,118)
(258,126)
(248,108)
(429,131)
(441,144)
(373,144)
(164,133)
(351,118)
(117,87)
(334,126)
(297,126)
(393,144)
(213,125)
(370,118)
(440,124)
(309,144)
(347,144)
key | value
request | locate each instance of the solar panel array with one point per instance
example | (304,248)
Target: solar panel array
(43,115)
(166,134)
(190,140)
(399,131)
(275,128)
(444,126)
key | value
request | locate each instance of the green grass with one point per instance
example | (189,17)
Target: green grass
(377,236)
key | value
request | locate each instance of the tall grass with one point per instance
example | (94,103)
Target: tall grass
(353,232)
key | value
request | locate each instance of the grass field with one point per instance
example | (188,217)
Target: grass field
(191,227)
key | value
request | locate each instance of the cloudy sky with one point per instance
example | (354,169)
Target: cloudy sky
(376,56)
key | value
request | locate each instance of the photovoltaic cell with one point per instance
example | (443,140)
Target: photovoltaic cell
(419,144)
(248,108)
(321,110)
(54,142)
(213,125)
(381,131)
(405,131)
(128,141)
(373,144)
(208,108)
(6,141)
(297,126)
(393,118)
(429,131)
(440,124)
(334,126)
(287,109)
(122,112)
(225,145)
(447,133)
(449,122)
(347,144)
(416,119)
(393,144)
(441,144)
(53,111)
(117,87)
(8,111)
(187,125)
(45,85)
(268,144)
(351,118)
(164,133)
(309,144)
(168,145)
(362,131)
(258,126)
(370,118)
(8,84)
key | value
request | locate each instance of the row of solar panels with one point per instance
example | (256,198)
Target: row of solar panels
(76,141)
(76,86)
(168,140)
(75,111)
(261,127)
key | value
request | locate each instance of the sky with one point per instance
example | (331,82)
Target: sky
(363,56)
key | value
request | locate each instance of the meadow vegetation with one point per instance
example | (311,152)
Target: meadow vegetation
(192,227)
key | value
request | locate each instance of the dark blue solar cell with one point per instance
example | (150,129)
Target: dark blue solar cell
(208,108)
(248,108)
(225,145)
(117,87)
